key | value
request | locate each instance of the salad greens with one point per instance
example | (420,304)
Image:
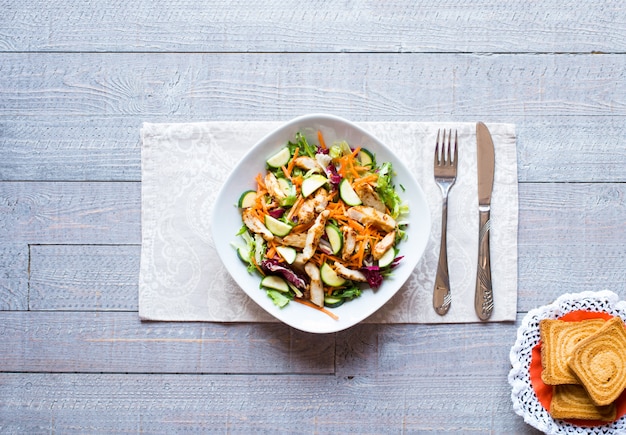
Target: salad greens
(322,224)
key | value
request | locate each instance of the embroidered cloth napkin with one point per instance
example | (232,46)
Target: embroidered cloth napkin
(184,166)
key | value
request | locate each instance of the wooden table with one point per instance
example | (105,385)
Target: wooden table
(77,79)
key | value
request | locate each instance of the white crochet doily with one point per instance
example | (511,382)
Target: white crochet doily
(525,402)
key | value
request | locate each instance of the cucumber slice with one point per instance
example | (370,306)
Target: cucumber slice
(281,158)
(247,199)
(335,237)
(365,157)
(348,194)
(275,282)
(332,301)
(387,257)
(244,254)
(312,183)
(276,227)
(288,253)
(330,277)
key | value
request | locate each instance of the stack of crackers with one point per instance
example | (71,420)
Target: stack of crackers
(585,361)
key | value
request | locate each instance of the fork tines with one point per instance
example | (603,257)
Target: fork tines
(443,153)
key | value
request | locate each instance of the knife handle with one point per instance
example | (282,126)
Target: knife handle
(483,301)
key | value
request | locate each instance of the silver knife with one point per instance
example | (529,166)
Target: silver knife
(483,301)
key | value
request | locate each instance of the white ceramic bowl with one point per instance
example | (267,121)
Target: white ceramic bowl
(228,222)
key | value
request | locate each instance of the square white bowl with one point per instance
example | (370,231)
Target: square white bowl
(226,222)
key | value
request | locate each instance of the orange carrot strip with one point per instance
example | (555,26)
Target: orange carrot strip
(320,138)
(286,172)
(260,181)
(292,163)
(257,266)
(322,309)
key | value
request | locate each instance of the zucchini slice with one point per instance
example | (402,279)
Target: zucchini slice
(280,159)
(247,199)
(332,301)
(312,183)
(288,253)
(387,257)
(275,282)
(330,277)
(276,227)
(335,237)
(365,157)
(348,194)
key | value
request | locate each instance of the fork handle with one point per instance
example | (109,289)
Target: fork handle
(483,300)
(441,293)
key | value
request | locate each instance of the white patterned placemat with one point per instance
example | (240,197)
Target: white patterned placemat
(184,165)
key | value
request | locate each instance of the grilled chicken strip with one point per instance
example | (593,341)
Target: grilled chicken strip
(308,163)
(272,186)
(370,198)
(352,274)
(371,216)
(313,205)
(349,242)
(316,288)
(314,234)
(293,240)
(255,225)
(381,247)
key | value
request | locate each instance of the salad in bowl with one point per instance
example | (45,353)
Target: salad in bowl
(327,226)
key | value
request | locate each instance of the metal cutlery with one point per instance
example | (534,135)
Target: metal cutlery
(445,168)
(483,299)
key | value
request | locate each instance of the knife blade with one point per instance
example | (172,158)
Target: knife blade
(483,300)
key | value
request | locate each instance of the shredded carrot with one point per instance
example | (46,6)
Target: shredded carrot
(368,179)
(320,138)
(322,309)
(260,181)
(295,207)
(271,251)
(302,227)
(287,170)
(256,265)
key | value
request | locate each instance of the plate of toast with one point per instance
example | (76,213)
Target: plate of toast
(568,370)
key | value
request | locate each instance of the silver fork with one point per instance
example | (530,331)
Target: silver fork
(445,166)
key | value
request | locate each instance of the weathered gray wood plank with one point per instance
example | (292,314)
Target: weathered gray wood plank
(78,277)
(433,351)
(75,341)
(390,26)
(279,85)
(73,213)
(48,148)
(13,276)
(571,238)
(78,403)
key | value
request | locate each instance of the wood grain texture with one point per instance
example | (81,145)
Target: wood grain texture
(74,213)
(458,350)
(571,238)
(48,148)
(290,26)
(79,277)
(74,341)
(77,79)
(75,403)
(416,85)
(13,276)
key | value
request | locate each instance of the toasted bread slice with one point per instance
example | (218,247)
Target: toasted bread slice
(558,339)
(573,402)
(599,362)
